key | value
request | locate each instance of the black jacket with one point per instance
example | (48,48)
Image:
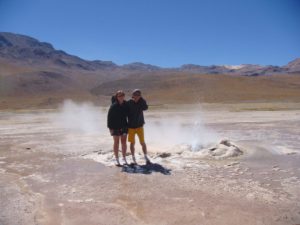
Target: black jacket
(117,116)
(136,115)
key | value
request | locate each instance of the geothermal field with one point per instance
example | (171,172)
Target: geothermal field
(211,164)
(217,82)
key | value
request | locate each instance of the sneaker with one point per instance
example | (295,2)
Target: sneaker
(147,160)
(124,162)
(133,160)
(117,163)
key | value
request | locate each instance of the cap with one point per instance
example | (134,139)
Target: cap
(136,92)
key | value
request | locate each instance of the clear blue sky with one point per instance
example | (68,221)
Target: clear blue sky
(162,32)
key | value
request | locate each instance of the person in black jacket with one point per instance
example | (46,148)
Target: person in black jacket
(136,122)
(118,125)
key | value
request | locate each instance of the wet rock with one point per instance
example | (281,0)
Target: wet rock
(233,164)
(164,155)
(275,168)
(224,149)
(226,142)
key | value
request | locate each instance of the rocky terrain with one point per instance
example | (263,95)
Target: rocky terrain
(56,167)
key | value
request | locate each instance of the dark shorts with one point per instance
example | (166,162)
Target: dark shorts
(119,132)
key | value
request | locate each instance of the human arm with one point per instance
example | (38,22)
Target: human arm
(143,104)
(110,117)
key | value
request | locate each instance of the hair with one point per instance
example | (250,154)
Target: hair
(118,93)
(113,99)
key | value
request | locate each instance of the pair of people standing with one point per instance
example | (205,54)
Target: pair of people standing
(127,117)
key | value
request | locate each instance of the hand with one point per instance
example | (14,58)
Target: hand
(111,131)
(136,98)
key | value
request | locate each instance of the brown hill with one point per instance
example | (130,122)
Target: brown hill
(193,88)
(35,74)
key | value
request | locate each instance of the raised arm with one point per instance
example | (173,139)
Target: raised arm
(143,104)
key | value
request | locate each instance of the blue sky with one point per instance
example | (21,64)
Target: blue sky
(167,33)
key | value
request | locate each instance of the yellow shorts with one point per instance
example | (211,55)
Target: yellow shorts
(140,133)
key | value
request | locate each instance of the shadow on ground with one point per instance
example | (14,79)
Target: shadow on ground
(149,168)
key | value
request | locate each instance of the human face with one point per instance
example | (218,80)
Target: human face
(136,98)
(120,98)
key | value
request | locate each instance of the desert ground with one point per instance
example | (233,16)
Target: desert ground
(57,167)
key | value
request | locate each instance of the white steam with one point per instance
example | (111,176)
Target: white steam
(174,131)
(162,130)
(81,117)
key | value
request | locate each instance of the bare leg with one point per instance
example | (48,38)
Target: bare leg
(144,147)
(116,148)
(124,147)
(132,149)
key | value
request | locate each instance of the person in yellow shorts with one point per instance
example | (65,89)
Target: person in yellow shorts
(136,122)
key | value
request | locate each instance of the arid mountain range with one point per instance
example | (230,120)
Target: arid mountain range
(35,74)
